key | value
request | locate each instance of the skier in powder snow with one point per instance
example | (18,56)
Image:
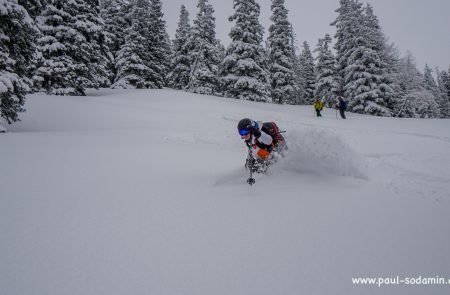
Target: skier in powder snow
(261,139)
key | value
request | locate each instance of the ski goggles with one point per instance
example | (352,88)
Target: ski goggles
(244,132)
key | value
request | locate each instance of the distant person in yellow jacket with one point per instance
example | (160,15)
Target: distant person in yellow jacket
(318,106)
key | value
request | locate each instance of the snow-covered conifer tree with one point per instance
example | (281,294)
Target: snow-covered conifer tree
(429,107)
(178,77)
(447,86)
(410,81)
(33,7)
(430,82)
(325,71)
(388,60)
(419,99)
(70,57)
(391,57)
(168,47)
(365,84)
(134,58)
(203,51)
(222,51)
(94,50)
(281,52)
(159,47)
(346,23)
(244,69)
(448,83)
(308,75)
(116,18)
(443,100)
(26,53)
(17,36)
(426,105)
(296,68)
(298,82)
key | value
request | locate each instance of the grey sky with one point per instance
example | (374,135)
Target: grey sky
(420,26)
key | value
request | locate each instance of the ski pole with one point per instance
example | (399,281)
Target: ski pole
(251,180)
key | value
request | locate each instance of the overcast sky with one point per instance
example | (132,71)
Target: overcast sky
(421,26)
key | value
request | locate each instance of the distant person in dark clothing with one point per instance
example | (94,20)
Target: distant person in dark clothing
(342,106)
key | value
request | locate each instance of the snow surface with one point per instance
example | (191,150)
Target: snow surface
(144,192)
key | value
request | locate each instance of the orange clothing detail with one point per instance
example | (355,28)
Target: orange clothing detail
(263,154)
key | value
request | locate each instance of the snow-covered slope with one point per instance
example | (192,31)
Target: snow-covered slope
(144,192)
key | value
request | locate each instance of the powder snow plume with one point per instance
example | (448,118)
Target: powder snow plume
(320,152)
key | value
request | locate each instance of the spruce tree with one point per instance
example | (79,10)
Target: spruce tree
(178,77)
(116,22)
(378,41)
(443,101)
(17,36)
(308,75)
(244,69)
(116,19)
(419,99)
(346,23)
(325,71)
(134,58)
(70,57)
(23,46)
(429,107)
(159,47)
(296,68)
(203,52)
(448,84)
(430,82)
(365,84)
(298,86)
(34,7)
(281,52)
(168,47)
(94,51)
(222,51)
(411,88)
(426,105)
(391,56)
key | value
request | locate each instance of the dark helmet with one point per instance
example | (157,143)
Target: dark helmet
(246,126)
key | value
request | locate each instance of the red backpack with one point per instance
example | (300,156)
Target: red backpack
(272,129)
